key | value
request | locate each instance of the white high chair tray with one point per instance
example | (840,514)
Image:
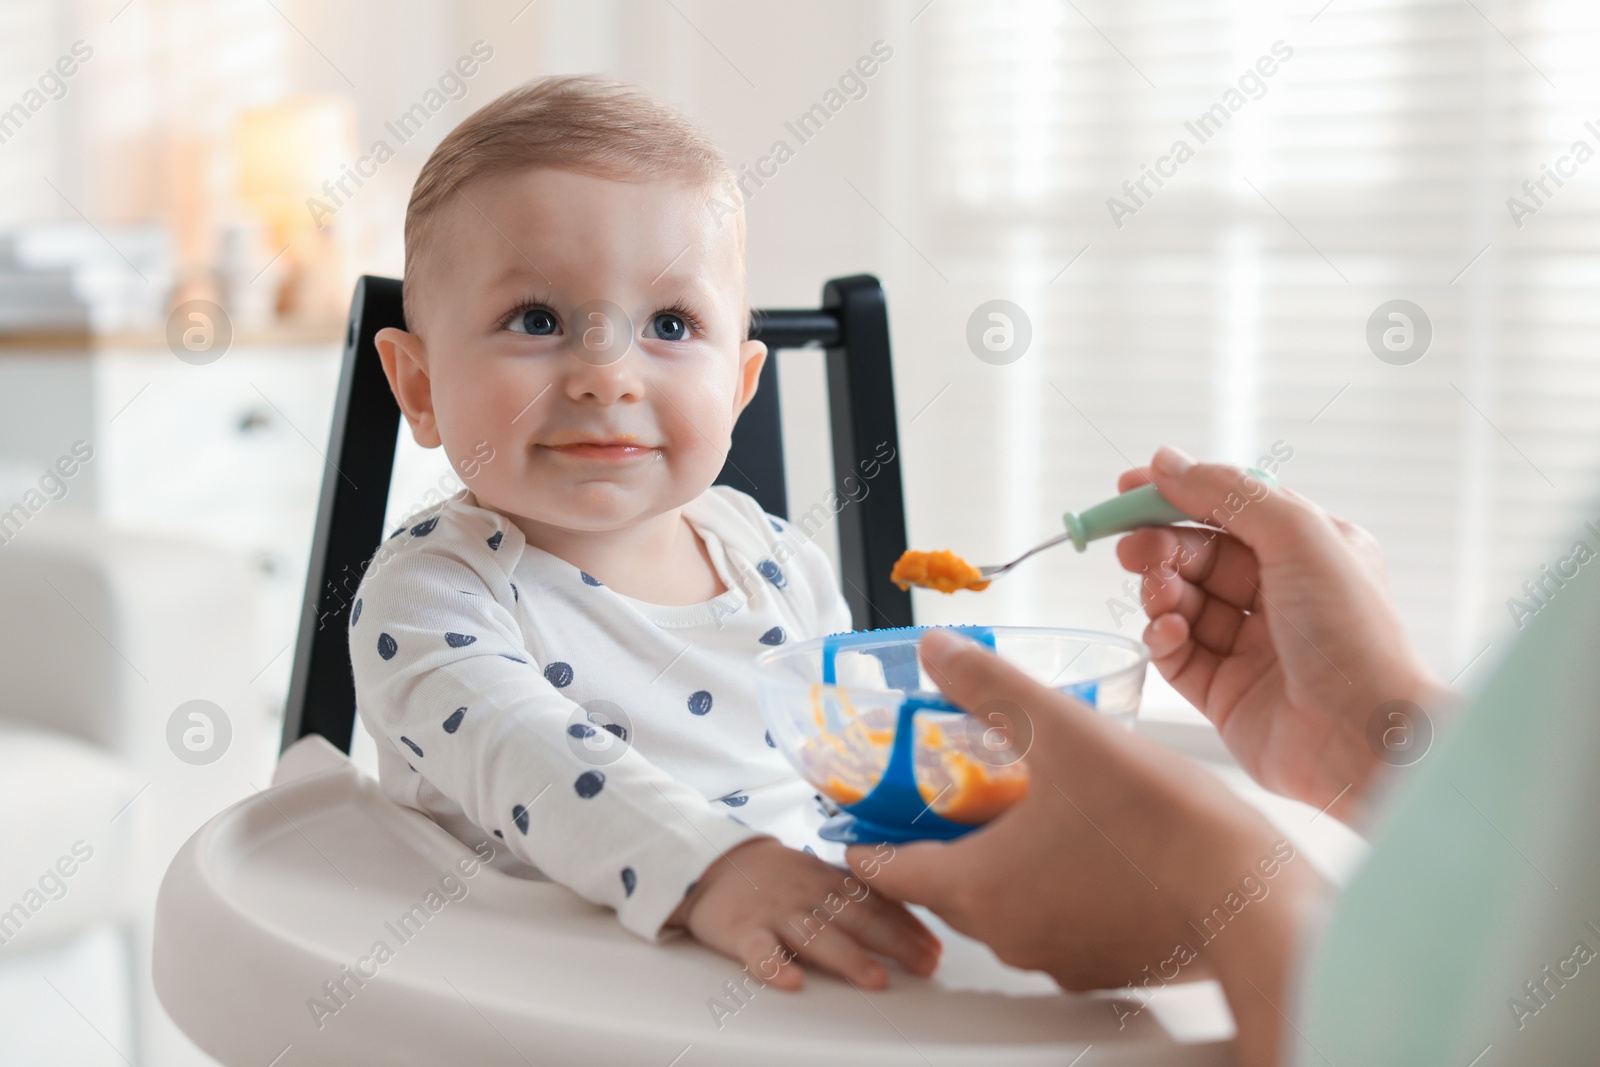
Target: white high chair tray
(282,892)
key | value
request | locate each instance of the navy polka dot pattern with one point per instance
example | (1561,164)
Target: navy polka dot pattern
(612,820)
(397,533)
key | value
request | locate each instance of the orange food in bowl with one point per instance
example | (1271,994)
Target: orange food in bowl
(942,570)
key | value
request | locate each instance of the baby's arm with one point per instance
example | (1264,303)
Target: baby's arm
(442,676)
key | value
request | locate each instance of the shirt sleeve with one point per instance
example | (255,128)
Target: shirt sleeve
(443,676)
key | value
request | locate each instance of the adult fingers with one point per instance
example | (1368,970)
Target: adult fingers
(1035,720)
(1133,479)
(1188,666)
(1221,564)
(1264,519)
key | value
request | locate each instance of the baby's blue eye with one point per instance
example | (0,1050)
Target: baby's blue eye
(535,321)
(669,326)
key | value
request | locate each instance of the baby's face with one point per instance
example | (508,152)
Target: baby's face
(576,346)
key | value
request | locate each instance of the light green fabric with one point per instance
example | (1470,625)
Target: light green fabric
(1485,871)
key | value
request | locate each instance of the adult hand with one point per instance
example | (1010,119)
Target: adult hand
(1124,861)
(1281,630)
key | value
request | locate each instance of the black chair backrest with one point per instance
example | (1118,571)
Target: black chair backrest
(852,325)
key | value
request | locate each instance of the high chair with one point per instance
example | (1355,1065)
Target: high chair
(270,919)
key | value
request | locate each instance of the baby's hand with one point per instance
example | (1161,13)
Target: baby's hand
(765,904)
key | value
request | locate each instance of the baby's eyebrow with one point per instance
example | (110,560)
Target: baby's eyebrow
(518,273)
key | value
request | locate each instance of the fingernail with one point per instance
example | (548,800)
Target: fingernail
(1171,461)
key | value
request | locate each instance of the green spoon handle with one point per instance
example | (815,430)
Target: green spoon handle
(1144,506)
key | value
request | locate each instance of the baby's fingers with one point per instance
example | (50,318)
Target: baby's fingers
(889,929)
(834,949)
(769,960)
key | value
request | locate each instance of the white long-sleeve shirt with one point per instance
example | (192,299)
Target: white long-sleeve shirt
(610,744)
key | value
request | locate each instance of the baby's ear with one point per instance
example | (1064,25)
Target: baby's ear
(752,356)
(405,364)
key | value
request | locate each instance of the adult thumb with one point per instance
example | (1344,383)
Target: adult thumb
(914,872)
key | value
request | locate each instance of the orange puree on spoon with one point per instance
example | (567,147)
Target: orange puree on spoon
(942,570)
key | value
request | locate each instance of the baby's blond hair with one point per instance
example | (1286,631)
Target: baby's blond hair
(583,123)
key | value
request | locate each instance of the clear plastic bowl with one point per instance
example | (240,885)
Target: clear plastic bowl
(836,723)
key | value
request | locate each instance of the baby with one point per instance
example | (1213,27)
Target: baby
(560,655)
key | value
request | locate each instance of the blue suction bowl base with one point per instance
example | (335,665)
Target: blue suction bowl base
(853,830)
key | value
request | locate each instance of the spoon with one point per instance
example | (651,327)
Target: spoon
(1144,506)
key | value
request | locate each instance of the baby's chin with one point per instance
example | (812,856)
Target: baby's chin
(582,509)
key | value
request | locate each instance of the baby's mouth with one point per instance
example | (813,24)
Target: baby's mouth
(602,449)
